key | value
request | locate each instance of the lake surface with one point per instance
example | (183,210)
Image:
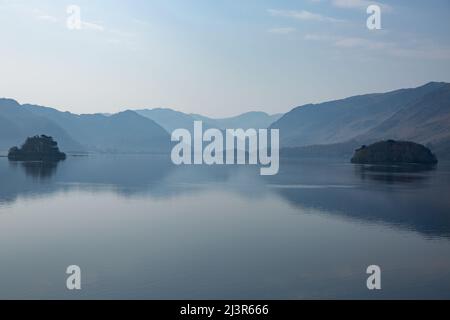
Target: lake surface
(141,228)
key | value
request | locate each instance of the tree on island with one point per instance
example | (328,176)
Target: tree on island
(394,152)
(37,148)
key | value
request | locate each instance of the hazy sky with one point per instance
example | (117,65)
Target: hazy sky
(216,57)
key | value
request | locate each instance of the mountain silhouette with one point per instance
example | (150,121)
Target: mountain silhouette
(425,120)
(420,114)
(123,132)
(253,119)
(170,119)
(17,123)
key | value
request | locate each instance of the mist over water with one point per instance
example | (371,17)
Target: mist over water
(140,227)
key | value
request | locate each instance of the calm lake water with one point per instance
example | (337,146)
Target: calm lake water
(141,228)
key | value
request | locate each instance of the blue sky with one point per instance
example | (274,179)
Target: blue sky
(216,57)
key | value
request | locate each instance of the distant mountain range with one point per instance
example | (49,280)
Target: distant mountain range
(141,131)
(17,123)
(333,128)
(171,120)
(420,114)
(122,132)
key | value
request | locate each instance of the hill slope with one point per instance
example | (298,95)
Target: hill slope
(122,132)
(170,119)
(426,120)
(16,124)
(420,114)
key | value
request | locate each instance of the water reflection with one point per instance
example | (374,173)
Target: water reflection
(392,174)
(426,212)
(126,175)
(407,197)
(411,197)
(39,170)
(133,222)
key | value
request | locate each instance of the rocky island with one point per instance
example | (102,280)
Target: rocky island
(37,148)
(394,152)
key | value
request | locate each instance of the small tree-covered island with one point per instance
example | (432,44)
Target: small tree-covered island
(37,148)
(394,152)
